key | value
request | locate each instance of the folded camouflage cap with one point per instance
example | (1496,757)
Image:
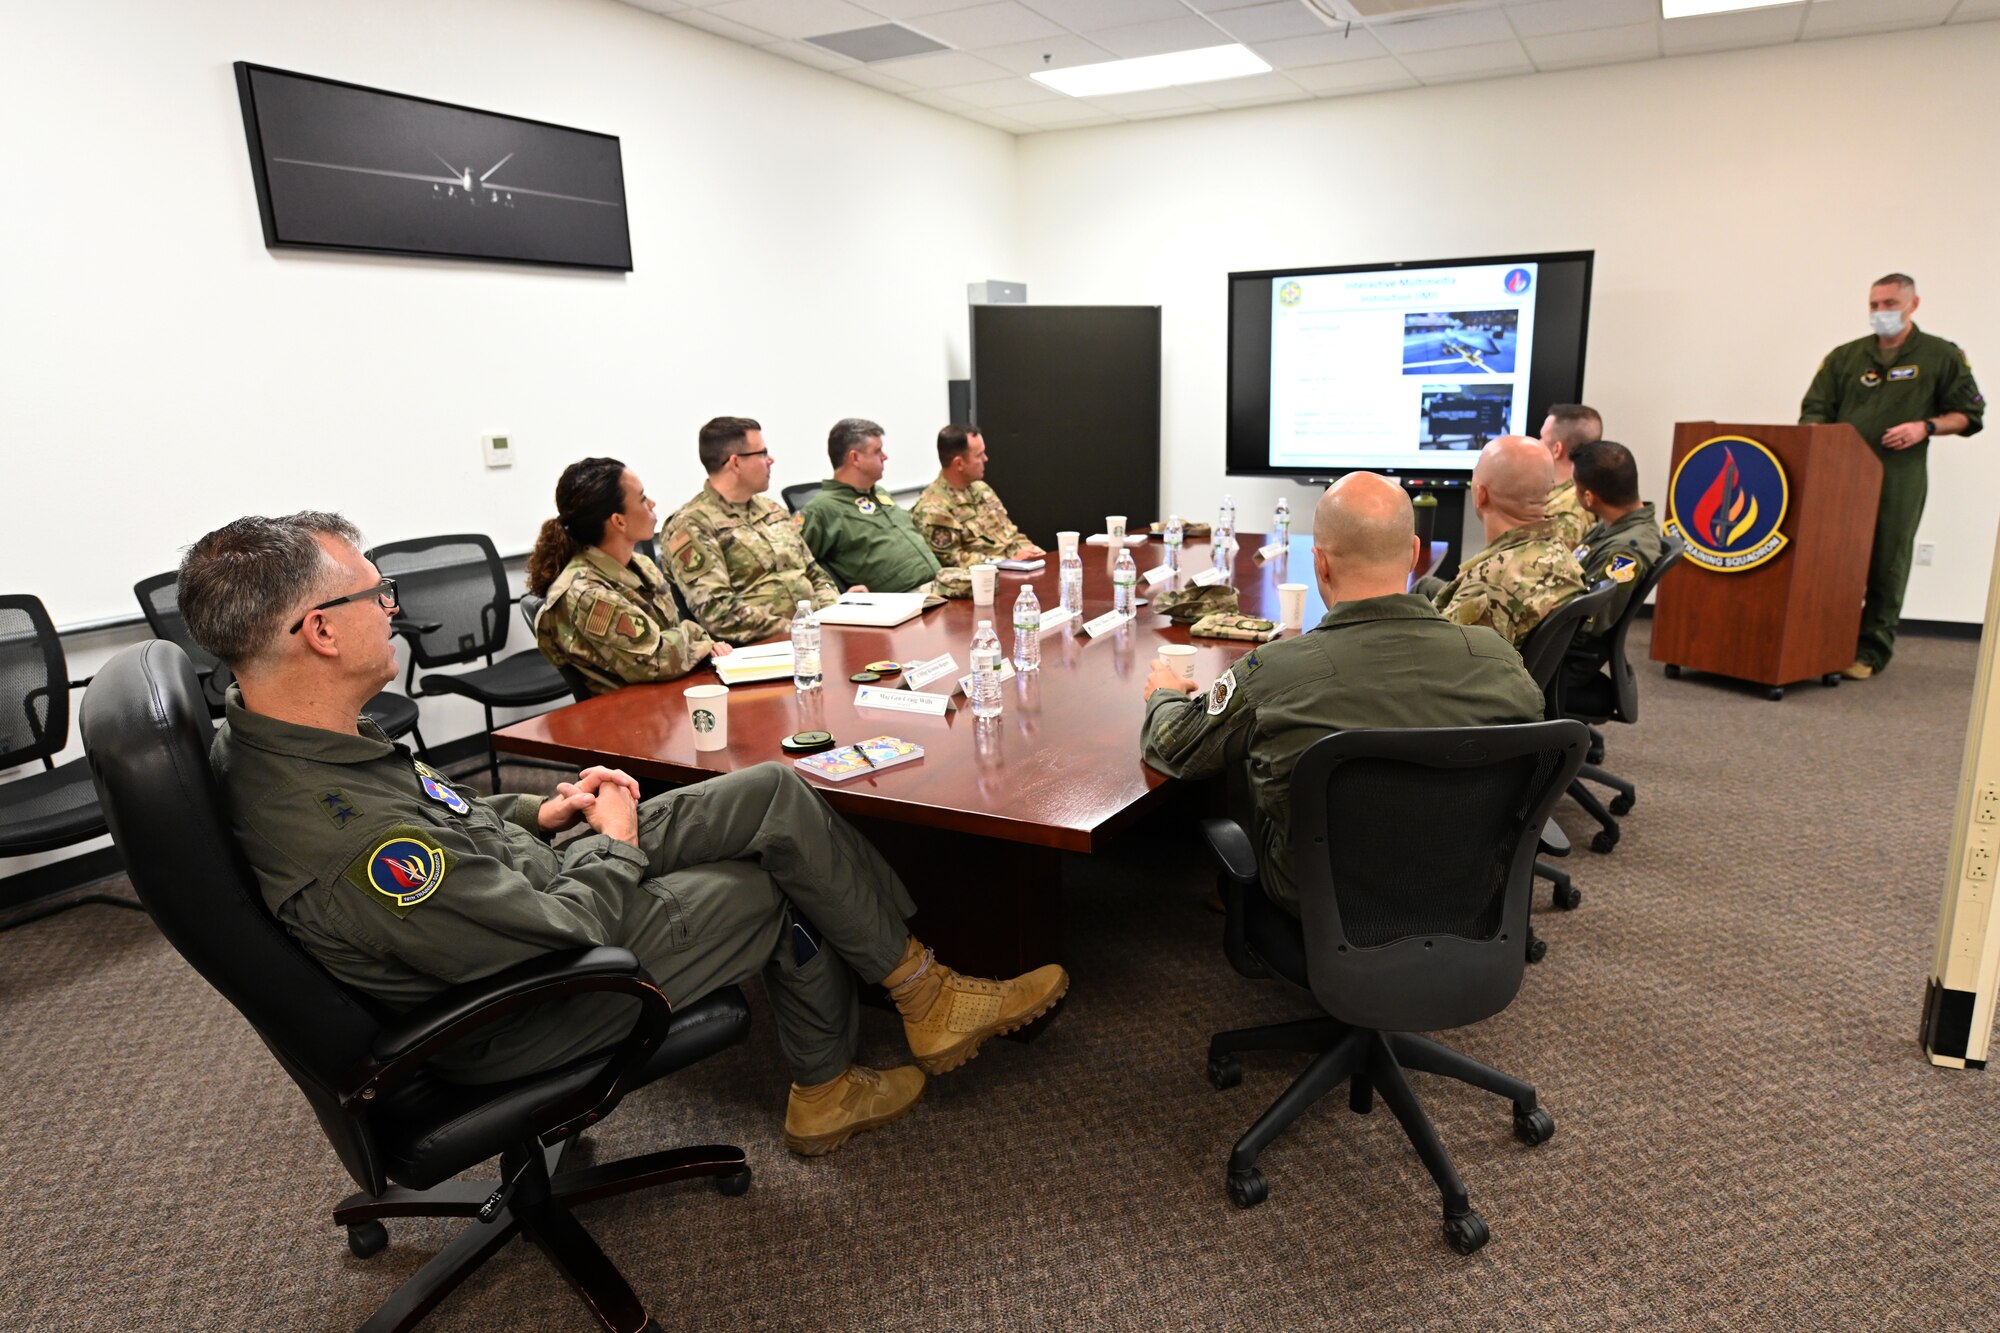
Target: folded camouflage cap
(952,582)
(1234,625)
(1194,532)
(1187,605)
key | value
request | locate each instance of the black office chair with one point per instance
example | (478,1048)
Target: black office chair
(1400,931)
(56,807)
(1618,701)
(453,595)
(799,496)
(401,1131)
(159,601)
(579,688)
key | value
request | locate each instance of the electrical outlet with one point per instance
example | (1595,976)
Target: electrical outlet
(1926,552)
(1979,856)
(1986,804)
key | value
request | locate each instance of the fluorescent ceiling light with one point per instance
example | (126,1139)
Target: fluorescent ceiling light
(1685,9)
(1167,71)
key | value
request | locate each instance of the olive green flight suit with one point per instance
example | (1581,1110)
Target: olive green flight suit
(1872,390)
(1624,552)
(865,537)
(403,884)
(1377,662)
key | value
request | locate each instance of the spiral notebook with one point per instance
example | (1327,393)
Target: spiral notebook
(845,761)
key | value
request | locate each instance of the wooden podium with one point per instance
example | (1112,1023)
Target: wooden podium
(1795,614)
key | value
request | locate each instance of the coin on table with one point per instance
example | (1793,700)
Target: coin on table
(865,677)
(807,742)
(884,668)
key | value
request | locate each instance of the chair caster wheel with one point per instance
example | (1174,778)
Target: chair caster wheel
(1466,1234)
(1831,679)
(1594,755)
(365,1240)
(1248,1188)
(1622,804)
(1605,840)
(1775,693)
(735,1184)
(1673,672)
(1568,897)
(1538,949)
(1534,1127)
(1224,1071)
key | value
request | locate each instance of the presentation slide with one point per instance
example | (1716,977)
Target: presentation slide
(1404,368)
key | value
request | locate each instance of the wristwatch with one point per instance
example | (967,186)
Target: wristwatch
(1930,428)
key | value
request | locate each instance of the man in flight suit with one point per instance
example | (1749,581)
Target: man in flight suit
(1898,386)
(1382,657)
(403,884)
(864,538)
(1623,547)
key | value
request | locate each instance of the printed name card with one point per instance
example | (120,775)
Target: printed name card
(1110,620)
(1057,618)
(1005,673)
(1158,572)
(1208,576)
(923,673)
(901,701)
(1266,552)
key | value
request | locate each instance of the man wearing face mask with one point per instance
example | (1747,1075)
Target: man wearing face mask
(1898,386)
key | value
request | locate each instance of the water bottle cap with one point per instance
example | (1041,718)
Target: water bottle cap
(986,624)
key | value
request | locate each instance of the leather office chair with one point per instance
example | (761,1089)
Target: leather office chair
(56,807)
(799,496)
(1542,654)
(1621,705)
(1400,931)
(453,592)
(159,601)
(579,688)
(403,1133)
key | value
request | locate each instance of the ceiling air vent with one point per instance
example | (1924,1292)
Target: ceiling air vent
(885,41)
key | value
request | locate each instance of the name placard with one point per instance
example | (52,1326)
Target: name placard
(1110,620)
(1208,576)
(901,701)
(923,673)
(1006,672)
(1056,618)
(1158,572)
(1266,552)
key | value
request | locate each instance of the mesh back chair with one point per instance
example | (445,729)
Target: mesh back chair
(453,591)
(55,807)
(799,496)
(1400,930)
(1621,705)
(159,600)
(579,688)
(403,1133)
(1542,653)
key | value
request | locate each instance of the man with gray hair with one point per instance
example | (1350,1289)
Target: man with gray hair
(1526,569)
(402,883)
(855,530)
(1381,657)
(1898,386)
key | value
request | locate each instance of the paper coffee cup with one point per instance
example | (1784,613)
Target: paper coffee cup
(1115,525)
(1180,656)
(1292,605)
(985,578)
(1066,541)
(708,714)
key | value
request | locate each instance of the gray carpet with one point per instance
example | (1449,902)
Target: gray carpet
(1725,1032)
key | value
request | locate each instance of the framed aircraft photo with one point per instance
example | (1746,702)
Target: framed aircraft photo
(341,167)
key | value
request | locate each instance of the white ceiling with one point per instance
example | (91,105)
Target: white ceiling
(996,44)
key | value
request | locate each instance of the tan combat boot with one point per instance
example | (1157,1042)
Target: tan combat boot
(821,1118)
(947,1017)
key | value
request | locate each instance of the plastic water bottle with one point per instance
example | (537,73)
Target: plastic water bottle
(805,647)
(1027,630)
(986,671)
(1071,567)
(1225,524)
(1124,583)
(1176,534)
(1281,523)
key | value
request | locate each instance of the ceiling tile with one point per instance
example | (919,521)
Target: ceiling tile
(941,69)
(1353,76)
(875,78)
(1829,18)
(1256,88)
(1717,32)
(795,18)
(1971,11)
(1186,33)
(1152,99)
(1540,18)
(1290,52)
(658,6)
(1486,58)
(985,25)
(912,9)
(1069,111)
(1221,6)
(999,120)
(1005,93)
(940,101)
(1083,15)
(1060,53)
(721,27)
(1599,46)
(808,54)
(1267,22)
(1478,27)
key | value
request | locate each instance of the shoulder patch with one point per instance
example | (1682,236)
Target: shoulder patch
(336,806)
(1220,693)
(401,870)
(599,620)
(1622,569)
(630,625)
(942,538)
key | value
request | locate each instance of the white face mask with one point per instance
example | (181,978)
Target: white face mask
(1886,323)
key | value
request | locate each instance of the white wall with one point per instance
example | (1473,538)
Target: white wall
(1739,205)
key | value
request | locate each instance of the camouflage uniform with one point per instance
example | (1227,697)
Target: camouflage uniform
(1377,662)
(617,626)
(743,568)
(1521,576)
(969,526)
(1563,509)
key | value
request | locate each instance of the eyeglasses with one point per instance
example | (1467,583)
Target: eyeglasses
(753,453)
(384,594)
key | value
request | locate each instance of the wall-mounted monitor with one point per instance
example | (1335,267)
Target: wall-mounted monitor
(1402,368)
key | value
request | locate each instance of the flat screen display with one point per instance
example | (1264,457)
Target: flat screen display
(1406,368)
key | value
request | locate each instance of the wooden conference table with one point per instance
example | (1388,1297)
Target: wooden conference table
(976,826)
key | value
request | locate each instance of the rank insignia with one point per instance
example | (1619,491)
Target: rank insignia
(336,807)
(439,789)
(402,871)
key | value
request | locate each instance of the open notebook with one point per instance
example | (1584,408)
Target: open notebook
(877,609)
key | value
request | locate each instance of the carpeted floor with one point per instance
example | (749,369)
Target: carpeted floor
(1725,1032)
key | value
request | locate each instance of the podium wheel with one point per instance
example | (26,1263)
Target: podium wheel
(1775,693)
(1831,679)
(1673,671)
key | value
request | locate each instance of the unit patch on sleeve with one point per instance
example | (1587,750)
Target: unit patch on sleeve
(1622,569)
(1221,692)
(401,870)
(438,787)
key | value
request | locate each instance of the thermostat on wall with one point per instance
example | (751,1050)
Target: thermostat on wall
(497,452)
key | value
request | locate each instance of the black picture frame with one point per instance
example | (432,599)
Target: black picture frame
(343,167)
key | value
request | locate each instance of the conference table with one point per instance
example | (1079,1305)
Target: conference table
(978,825)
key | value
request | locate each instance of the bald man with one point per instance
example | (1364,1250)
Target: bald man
(1527,570)
(1567,428)
(1382,657)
